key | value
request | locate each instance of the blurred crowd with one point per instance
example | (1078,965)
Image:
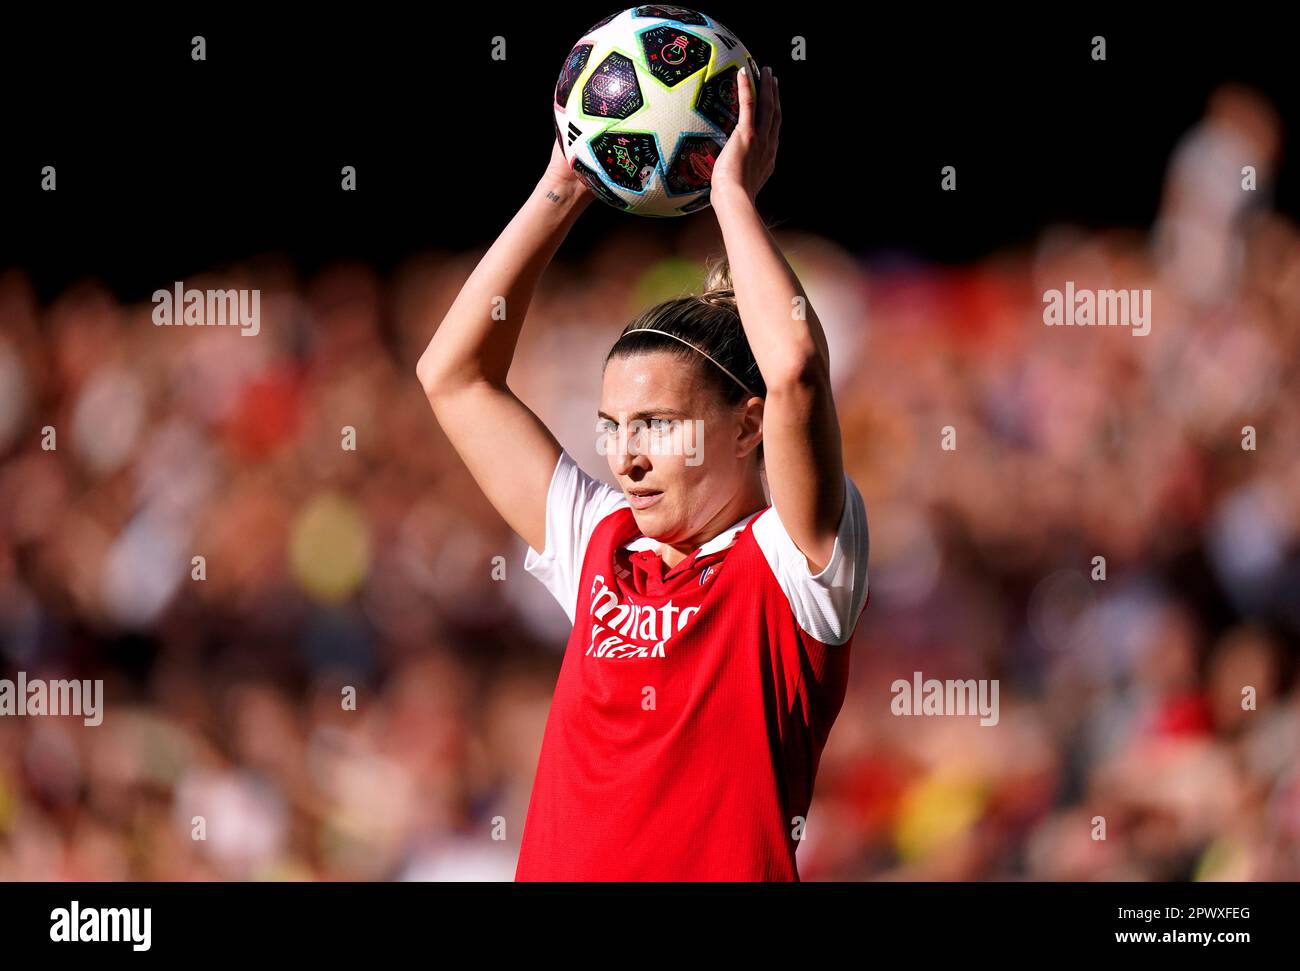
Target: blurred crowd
(314,660)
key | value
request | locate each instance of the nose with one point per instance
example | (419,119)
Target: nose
(630,455)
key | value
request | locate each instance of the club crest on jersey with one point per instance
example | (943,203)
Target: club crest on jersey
(708,572)
(622,631)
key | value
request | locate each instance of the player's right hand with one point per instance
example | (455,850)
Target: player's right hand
(561,177)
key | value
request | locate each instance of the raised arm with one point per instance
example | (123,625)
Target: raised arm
(801,432)
(507,449)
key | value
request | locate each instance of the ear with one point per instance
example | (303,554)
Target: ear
(749,426)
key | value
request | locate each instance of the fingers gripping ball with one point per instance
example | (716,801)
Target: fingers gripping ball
(644,104)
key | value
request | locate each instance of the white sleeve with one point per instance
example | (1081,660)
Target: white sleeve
(826,604)
(575,503)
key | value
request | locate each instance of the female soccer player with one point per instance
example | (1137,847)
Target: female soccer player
(711,629)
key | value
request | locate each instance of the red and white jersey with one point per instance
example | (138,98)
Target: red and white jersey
(692,703)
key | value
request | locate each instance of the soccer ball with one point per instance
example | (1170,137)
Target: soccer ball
(645,102)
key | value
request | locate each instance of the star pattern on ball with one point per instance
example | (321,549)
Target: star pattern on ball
(665,109)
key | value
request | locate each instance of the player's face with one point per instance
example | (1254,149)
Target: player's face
(669,436)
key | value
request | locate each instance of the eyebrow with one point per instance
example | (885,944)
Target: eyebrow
(648,413)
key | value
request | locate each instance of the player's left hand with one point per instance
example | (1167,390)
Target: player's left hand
(749,156)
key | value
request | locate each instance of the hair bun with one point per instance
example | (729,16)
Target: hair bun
(718,289)
(720,298)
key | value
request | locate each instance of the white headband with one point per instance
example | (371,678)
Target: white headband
(655,330)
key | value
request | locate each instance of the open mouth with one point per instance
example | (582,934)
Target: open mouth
(641,498)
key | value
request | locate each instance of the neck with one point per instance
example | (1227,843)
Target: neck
(748,500)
